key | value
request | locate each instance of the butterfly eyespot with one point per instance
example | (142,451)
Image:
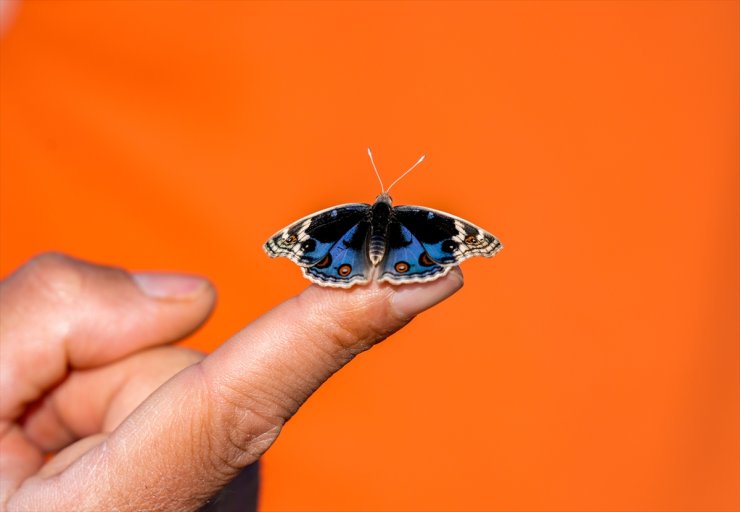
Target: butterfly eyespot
(425,260)
(309,245)
(449,246)
(288,240)
(471,240)
(325,262)
(401,267)
(344,270)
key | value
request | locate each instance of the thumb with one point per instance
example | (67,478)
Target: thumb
(195,433)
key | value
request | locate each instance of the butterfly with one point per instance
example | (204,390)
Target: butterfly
(354,243)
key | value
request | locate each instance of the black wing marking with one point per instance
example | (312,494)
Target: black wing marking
(447,239)
(308,240)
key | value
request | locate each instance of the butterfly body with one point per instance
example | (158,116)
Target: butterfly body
(355,243)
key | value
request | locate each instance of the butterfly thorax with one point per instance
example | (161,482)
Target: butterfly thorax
(380,217)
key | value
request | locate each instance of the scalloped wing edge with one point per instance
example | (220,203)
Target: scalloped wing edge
(488,251)
(273,250)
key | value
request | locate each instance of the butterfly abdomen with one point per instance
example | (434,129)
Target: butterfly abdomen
(381,216)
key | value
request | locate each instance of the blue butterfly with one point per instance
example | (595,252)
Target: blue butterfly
(355,243)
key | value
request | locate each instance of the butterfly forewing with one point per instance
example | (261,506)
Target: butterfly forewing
(309,240)
(447,239)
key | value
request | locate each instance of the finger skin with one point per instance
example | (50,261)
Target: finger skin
(67,328)
(99,399)
(194,434)
(58,313)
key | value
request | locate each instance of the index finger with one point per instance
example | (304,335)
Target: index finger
(195,433)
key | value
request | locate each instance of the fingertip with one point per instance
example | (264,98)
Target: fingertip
(386,303)
(411,299)
(267,370)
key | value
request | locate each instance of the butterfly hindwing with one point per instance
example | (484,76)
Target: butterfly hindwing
(308,240)
(447,239)
(346,263)
(406,260)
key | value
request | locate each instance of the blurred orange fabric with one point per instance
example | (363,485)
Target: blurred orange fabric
(593,365)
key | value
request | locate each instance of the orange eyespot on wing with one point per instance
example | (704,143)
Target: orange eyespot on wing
(401,267)
(325,262)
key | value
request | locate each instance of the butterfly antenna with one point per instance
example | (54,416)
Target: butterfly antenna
(370,154)
(420,160)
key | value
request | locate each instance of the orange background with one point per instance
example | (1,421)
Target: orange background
(592,365)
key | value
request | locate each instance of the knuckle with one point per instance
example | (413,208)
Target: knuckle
(63,280)
(253,419)
(242,446)
(55,276)
(330,321)
(342,332)
(352,325)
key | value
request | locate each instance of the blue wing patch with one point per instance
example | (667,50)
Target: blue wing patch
(448,240)
(307,241)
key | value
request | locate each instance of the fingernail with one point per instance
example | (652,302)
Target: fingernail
(169,286)
(411,299)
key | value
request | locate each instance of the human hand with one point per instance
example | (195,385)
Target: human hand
(86,370)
